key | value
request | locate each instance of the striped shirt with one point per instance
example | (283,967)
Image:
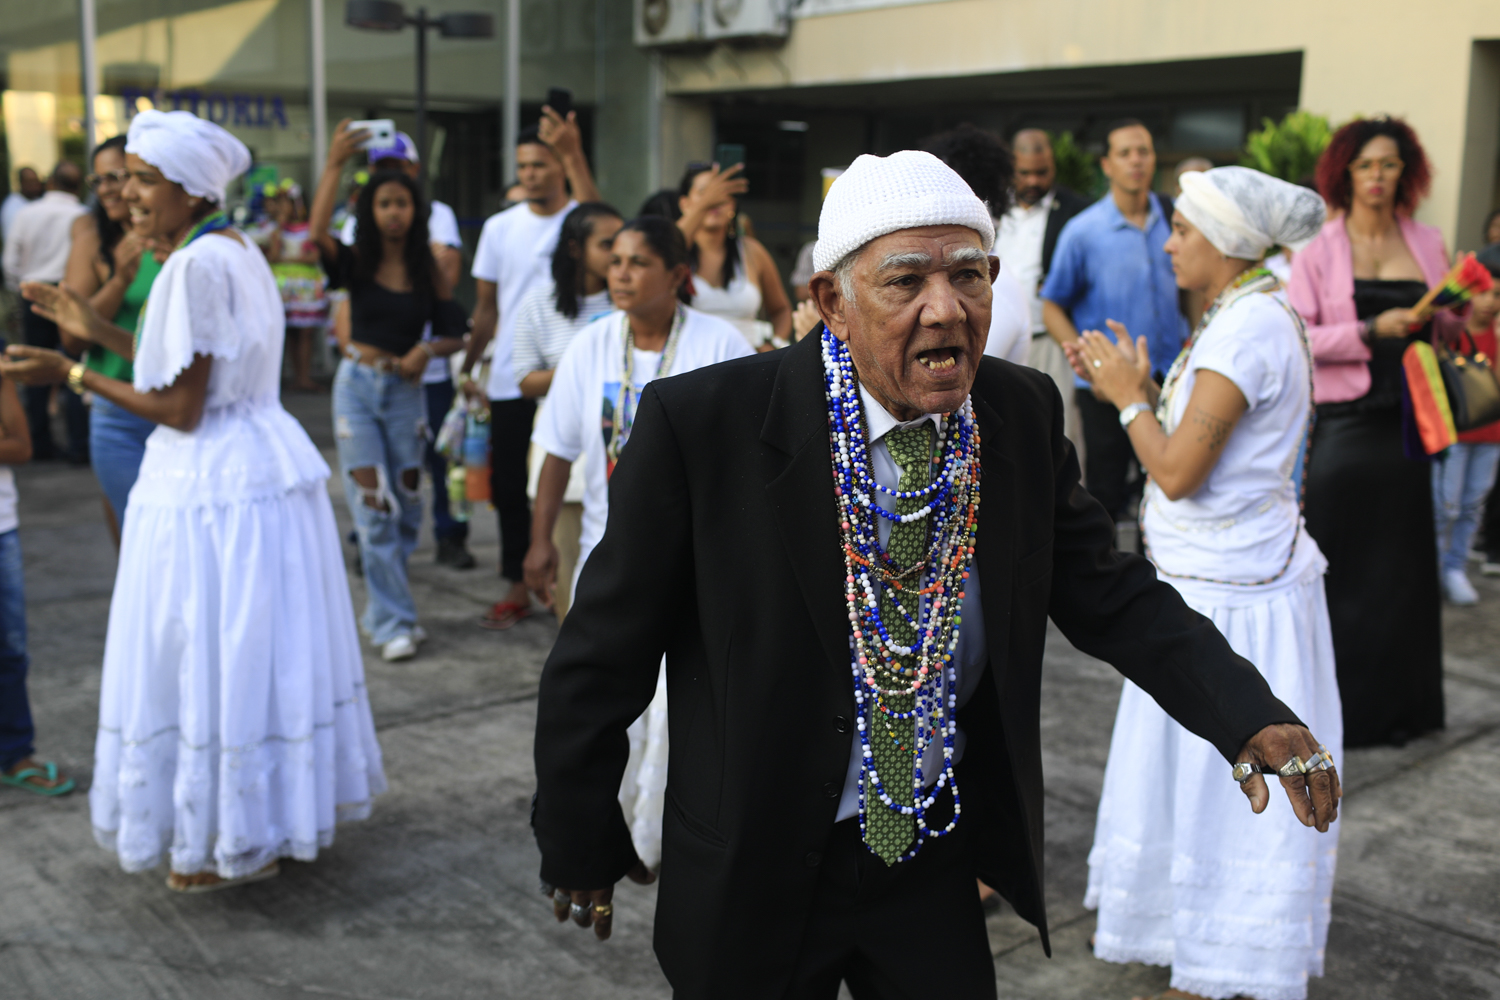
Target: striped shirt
(543,334)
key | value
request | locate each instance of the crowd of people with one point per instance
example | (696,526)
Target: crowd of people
(1196,400)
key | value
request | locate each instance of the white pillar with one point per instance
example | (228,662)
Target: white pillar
(317,90)
(511,122)
(88,67)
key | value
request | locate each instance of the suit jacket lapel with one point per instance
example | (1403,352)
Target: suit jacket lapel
(801,493)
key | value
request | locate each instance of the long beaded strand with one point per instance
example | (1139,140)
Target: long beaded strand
(936,583)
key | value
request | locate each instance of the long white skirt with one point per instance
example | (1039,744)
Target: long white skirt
(234,727)
(1181,872)
(643,787)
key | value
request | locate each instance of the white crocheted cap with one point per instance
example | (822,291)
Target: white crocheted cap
(884,194)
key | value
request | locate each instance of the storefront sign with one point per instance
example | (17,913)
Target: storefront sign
(229,110)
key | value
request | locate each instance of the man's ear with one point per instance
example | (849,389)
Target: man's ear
(994,268)
(827,295)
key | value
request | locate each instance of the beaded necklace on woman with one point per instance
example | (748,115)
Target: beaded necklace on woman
(1257,279)
(881,667)
(625,418)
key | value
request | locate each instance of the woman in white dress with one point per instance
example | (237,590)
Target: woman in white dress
(234,727)
(735,277)
(1235,907)
(590,407)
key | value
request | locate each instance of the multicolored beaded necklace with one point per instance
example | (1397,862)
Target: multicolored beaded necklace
(881,667)
(208,224)
(629,390)
(1255,280)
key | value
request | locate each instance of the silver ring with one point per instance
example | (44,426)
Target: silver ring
(561,896)
(1242,772)
(1320,761)
(1292,768)
(579,910)
(1098,363)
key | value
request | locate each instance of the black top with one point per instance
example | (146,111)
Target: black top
(739,451)
(392,321)
(1372,297)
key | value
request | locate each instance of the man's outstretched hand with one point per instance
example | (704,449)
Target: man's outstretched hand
(593,907)
(1315,796)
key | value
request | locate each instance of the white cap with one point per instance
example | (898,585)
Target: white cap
(884,194)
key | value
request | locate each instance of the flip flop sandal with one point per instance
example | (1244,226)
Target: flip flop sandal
(21,779)
(503,615)
(269,871)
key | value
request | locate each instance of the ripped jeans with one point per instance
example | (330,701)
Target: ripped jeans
(380,427)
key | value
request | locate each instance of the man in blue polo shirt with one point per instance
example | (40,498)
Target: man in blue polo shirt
(1110,265)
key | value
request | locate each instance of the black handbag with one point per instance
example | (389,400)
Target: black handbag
(1469,378)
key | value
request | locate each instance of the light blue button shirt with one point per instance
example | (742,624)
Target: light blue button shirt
(1106,268)
(968,660)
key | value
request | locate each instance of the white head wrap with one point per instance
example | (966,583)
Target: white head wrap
(1244,212)
(883,194)
(188,150)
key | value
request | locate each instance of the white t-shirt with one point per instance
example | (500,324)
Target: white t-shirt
(515,253)
(8,519)
(442,227)
(1019,235)
(575,422)
(1240,524)
(1010,319)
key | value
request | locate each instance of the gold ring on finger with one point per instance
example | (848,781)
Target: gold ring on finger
(602,910)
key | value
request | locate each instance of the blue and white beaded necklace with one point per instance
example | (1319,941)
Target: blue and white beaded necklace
(880,666)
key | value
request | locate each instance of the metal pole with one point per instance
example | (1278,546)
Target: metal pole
(512,120)
(317,89)
(421,22)
(88,67)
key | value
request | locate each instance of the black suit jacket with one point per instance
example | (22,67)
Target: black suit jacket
(1066,203)
(722,550)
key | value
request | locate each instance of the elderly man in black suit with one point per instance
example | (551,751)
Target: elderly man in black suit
(853,644)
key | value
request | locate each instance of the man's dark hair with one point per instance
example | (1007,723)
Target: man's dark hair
(567,260)
(1118,124)
(110,231)
(67,177)
(665,240)
(529,136)
(369,242)
(981,158)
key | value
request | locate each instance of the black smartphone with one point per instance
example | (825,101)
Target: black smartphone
(729,154)
(560,99)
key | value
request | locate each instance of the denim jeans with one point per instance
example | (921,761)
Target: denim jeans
(117,442)
(379,423)
(439,400)
(1460,481)
(16,730)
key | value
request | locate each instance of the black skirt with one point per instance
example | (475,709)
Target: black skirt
(1369,508)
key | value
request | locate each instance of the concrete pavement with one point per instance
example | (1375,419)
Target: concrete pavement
(435,895)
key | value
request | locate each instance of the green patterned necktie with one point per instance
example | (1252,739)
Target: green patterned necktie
(889,834)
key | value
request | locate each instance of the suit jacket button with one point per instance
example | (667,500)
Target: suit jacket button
(814,859)
(832,789)
(840,724)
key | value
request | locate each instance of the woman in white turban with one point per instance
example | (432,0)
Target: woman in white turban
(234,729)
(1235,907)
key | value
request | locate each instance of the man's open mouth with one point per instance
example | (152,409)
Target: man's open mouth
(939,359)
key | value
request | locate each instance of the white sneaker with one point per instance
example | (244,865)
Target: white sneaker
(403,647)
(1459,589)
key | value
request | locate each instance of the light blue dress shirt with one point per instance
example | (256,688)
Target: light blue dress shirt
(1106,268)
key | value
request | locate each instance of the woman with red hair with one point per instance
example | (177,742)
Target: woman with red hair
(1368,505)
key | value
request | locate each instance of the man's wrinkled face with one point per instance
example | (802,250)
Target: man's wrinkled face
(918,319)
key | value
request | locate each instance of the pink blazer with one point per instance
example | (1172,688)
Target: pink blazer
(1322,290)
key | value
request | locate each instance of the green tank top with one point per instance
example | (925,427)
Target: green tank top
(128,317)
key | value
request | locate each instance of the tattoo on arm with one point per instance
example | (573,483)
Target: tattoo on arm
(1211,429)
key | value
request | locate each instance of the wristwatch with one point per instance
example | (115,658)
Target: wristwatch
(1132,411)
(75,377)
